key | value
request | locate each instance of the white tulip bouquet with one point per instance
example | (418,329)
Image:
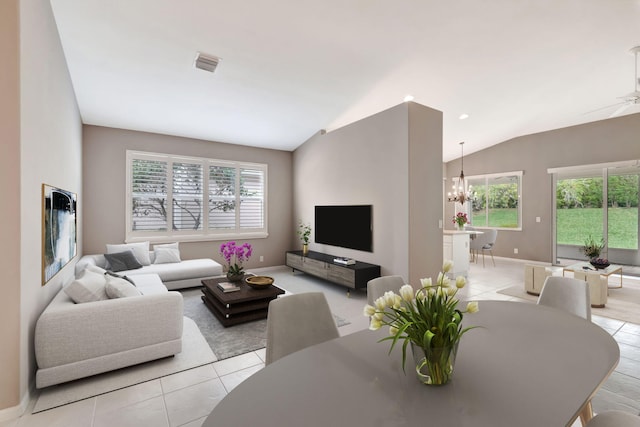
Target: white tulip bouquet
(428,318)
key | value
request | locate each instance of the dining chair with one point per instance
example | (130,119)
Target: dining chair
(298,321)
(378,286)
(568,294)
(484,242)
(614,419)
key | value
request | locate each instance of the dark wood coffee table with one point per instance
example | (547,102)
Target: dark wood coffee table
(245,305)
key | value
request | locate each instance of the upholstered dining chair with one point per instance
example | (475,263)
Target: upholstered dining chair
(298,321)
(568,294)
(484,242)
(614,419)
(378,286)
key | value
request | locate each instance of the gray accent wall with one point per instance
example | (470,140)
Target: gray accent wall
(41,143)
(604,141)
(104,178)
(393,161)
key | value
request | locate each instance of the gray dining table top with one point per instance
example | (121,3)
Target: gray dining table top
(526,365)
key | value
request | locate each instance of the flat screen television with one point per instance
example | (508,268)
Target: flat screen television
(346,226)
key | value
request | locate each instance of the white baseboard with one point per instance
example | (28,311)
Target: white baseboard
(15,412)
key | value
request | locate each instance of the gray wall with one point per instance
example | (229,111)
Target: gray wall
(41,143)
(368,162)
(105,183)
(598,142)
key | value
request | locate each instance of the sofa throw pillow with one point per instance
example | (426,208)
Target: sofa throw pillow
(88,288)
(140,250)
(111,273)
(166,255)
(123,261)
(120,288)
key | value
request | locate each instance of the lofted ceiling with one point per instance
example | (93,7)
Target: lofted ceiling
(290,68)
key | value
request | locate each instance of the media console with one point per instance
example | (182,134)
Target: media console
(321,265)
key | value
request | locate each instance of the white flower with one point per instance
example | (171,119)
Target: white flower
(390,298)
(460,282)
(375,324)
(378,315)
(426,282)
(452,291)
(393,330)
(397,301)
(447,266)
(406,292)
(443,280)
(369,310)
(380,303)
(472,307)
(441,291)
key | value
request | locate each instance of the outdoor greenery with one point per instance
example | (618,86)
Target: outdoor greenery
(500,218)
(575,224)
(502,200)
(579,210)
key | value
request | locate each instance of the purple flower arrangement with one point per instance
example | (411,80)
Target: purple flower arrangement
(236,254)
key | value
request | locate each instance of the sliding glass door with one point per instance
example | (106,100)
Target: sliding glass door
(599,203)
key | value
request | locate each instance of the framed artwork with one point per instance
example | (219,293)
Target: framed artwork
(59,236)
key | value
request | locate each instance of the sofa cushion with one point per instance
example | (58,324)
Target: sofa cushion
(111,273)
(120,288)
(149,284)
(166,255)
(186,269)
(140,250)
(88,288)
(122,261)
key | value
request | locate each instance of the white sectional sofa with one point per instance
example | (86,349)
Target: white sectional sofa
(77,340)
(98,323)
(175,275)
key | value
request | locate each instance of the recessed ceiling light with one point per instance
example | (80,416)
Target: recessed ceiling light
(463,116)
(408,98)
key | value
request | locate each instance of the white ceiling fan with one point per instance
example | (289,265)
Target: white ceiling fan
(629,99)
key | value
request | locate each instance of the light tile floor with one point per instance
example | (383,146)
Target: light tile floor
(186,398)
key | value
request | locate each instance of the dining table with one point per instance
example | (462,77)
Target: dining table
(522,365)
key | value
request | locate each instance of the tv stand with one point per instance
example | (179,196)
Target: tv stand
(321,265)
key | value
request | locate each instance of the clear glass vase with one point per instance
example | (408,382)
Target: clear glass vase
(434,366)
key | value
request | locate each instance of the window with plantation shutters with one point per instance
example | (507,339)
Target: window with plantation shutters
(187,199)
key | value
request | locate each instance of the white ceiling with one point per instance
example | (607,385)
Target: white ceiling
(292,67)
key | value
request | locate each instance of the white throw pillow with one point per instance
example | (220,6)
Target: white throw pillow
(120,288)
(166,255)
(140,251)
(88,288)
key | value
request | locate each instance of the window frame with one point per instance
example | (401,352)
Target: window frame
(486,178)
(206,233)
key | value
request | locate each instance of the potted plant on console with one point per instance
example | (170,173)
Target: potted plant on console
(304,231)
(592,250)
(236,254)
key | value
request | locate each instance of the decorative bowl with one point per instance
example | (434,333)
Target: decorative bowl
(600,264)
(259,282)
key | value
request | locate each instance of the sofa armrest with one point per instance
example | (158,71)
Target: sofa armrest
(67,333)
(87,260)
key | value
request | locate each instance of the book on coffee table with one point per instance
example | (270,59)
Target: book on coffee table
(228,287)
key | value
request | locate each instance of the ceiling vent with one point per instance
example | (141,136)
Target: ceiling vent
(206,62)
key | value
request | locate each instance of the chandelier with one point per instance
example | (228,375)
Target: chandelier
(461,192)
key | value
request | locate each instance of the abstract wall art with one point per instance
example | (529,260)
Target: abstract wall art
(59,235)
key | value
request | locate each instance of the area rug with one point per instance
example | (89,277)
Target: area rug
(622,304)
(233,340)
(195,352)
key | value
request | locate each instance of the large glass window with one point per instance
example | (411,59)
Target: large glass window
(579,209)
(495,200)
(164,189)
(622,209)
